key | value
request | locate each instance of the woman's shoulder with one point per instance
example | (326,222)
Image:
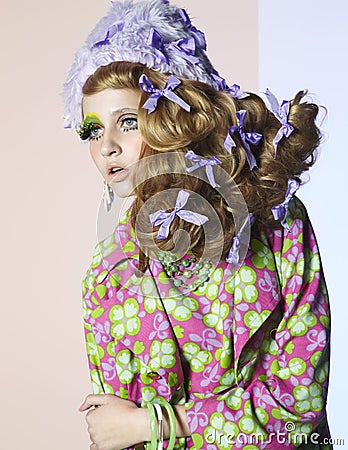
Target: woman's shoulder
(115,254)
(296,211)
(296,221)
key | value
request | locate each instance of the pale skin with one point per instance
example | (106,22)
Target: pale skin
(115,144)
(119,423)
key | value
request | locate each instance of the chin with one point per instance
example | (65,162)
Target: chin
(122,190)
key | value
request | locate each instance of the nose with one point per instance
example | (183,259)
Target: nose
(109,144)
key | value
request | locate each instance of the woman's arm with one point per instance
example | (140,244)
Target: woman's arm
(278,397)
(117,423)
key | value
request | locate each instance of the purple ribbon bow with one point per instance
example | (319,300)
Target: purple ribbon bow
(246,137)
(234,91)
(167,91)
(201,162)
(233,255)
(165,219)
(111,31)
(197,34)
(185,48)
(281,112)
(280,211)
(221,82)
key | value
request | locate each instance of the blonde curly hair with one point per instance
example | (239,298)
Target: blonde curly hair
(203,130)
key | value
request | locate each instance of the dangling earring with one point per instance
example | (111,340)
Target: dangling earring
(108,196)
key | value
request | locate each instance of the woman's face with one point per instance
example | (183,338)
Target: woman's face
(111,124)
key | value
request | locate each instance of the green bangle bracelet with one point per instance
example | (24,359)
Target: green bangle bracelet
(153,426)
(172,424)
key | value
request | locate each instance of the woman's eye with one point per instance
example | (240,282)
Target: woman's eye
(90,132)
(95,133)
(129,123)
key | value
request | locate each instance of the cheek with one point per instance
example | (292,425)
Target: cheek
(137,147)
(95,155)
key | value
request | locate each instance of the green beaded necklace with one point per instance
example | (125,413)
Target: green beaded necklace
(193,277)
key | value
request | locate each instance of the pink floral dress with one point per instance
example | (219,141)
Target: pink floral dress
(247,353)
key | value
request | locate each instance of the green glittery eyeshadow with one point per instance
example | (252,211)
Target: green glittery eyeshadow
(91,122)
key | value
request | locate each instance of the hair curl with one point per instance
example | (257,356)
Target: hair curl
(203,130)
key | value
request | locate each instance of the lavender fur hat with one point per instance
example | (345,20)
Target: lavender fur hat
(151,32)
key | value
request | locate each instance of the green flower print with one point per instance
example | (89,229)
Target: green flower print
(151,300)
(284,415)
(322,372)
(300,265)
(94,351)
(98,384)
(172,379)
(254,320)
(262,416)
(300,323)
(86,313)
(128,247)
(126,366)
(299,435)
(233,398)
(88,282)
(196,357)
(308,398)
(226,381)
(230,284)
(287,268)
(124,319)
(149,394)
(139,347)
(102,250)
(269,345)
(218,313)
(313,267)
(179,331)
(179,306)
(245,285)
(248,424)
(101,289)
(151,304)
(125,217)
(224,354)
(220,432)
(162,354)
(115,279)
(263,257)
(295,367)
(211,289)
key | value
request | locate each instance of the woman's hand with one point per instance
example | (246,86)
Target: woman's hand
(115,423)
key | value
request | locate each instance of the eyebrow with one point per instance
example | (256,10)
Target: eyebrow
(120,111)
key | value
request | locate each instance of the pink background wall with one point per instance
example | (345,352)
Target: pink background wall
(50,196)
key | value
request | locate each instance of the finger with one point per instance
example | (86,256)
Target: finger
(93,400)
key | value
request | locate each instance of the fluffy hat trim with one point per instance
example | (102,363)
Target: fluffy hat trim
(123,35)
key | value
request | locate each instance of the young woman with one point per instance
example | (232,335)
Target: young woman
(206,311)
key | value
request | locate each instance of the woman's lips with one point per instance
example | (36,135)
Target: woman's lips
(118,176)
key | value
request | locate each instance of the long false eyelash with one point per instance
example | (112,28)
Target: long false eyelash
(125,130)
(85,131)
